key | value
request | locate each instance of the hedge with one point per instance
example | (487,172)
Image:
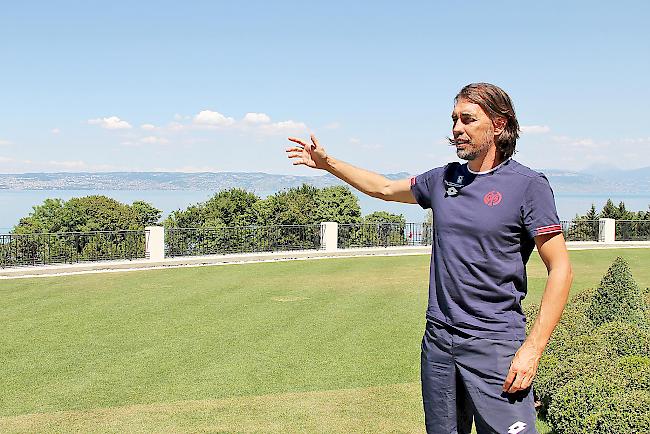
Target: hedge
(594,376)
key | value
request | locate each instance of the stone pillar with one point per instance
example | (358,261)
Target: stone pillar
(155,243)
(607,230)
(329,235)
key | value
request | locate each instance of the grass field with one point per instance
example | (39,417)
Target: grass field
(303,346)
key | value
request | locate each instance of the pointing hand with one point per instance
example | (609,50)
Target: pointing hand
(309,154)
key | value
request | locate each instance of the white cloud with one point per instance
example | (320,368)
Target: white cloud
(637,141)
(148,127)
(186,169)
(55,131)
(332,126)
(535,129)
(153,140)
(110,123)
(257,118)
(284,127)
(13,165)
(175,126)
(358,143)
(577,142)
(76,165)
(211,118)
(4,142)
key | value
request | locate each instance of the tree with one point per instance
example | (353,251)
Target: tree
(337,204)
(591,214)
(145,214)
(310,205)
(226,219)
(610,211)
(295,206)
(47,217)
(82,214)
(379,228)
(233,207)
(89,218)
(384,217)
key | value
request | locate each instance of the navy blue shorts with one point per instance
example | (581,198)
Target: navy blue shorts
(462,381)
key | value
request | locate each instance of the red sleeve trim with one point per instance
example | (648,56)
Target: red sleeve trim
(548,229)
(412,181)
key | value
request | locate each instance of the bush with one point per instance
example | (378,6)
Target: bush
(625,339)
(597,405)
(626,412)
(618,297)
(594,376)
(574,404)
(555,370)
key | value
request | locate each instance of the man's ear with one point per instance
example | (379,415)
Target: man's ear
(499,125)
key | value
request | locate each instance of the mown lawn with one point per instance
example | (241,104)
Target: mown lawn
(313,346)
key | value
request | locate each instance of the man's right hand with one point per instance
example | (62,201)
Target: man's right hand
(370,183)
(309,154)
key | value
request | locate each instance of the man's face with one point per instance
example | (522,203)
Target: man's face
(473,130)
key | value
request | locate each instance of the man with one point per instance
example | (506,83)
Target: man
(489,213)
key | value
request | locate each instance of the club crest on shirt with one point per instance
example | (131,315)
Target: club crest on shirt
(452,188)
(492,198)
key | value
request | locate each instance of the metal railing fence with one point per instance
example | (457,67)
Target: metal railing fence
(580,230)
(241,239)
(384,234)
(71,247)
(632,230)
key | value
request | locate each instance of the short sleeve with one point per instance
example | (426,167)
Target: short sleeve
(539,212)
(422,187)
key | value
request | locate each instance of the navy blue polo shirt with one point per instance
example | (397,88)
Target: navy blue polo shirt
(484,226)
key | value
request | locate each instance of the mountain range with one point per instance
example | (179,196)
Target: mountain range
(596,180)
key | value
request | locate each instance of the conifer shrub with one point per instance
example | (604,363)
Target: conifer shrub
(598,405)
(618,297)
(624,339)
(594,376)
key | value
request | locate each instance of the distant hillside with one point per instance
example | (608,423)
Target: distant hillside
(595,181)
(600,181)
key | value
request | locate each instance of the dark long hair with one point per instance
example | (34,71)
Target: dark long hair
(496,103)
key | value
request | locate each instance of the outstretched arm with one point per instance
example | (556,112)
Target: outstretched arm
(523,368)
(375,185)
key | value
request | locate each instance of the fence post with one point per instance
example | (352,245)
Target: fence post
(606,230)
(329,236)
(155,243)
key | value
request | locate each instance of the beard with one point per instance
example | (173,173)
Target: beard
(472,150)
(470,153)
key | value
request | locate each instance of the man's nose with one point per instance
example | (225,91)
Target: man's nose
(457,129)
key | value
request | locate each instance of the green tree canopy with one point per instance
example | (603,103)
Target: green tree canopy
(307,205)
(384,217)
(84,214)
(146,214)
(234,207)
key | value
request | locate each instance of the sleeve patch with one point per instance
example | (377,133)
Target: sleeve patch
(548,229)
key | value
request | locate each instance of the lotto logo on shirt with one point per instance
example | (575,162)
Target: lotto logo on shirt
(492,198)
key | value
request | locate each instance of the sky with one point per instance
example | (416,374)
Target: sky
(195,86)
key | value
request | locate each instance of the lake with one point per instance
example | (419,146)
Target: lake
(18,203)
